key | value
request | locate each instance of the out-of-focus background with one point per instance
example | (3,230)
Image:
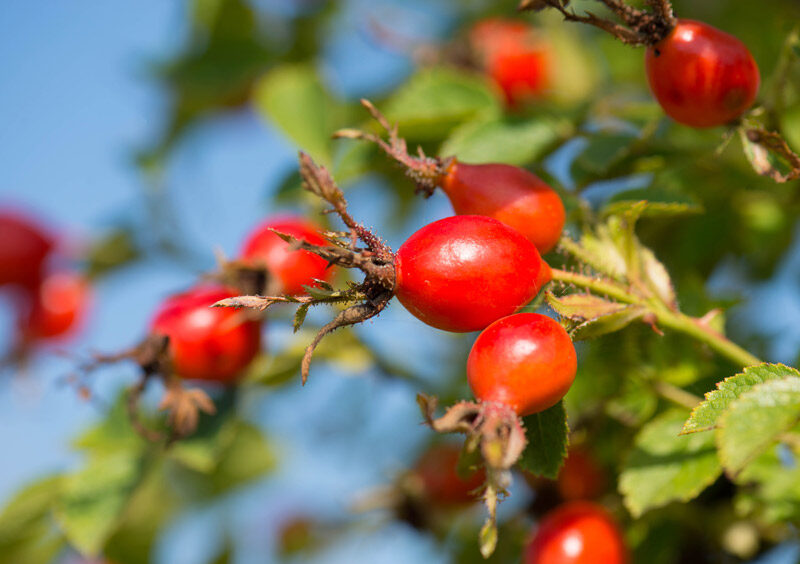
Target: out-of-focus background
(110,134)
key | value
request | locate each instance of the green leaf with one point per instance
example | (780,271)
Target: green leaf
(30,505)
(603,151)
(113,434)
(203,450)
(773,485)
(502,141)
(605,324)
(548,437)
(249,457)
(665,466)
(655,203)
(93,500)
(293,98)
(113,250)
(704,417)
(436,100)
(657,278)
(755,420)
(581,307)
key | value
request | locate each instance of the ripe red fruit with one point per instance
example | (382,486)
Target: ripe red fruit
(293,269)
(510,194)
(526,361)
(514,56)
(58,307)
(441,484)
(24,245)
(702,76)
(206,343)
(577,533)
(581,477)
(545,275)
(463,272)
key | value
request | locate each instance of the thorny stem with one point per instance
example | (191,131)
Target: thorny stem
(640,27)
(426,171)
(675,320)
(376,261)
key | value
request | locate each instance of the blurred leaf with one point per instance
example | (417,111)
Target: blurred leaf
(603,151)
(293,98)
(635,403)
(656,203)
(665,466)
(777,485)
(151,507)
(581,307)
(756,419)
(27,507)
(705,416)
(503,141)
(341,348)
(657,278)
(436,100)
(114,250)
(247,458)
(548,437)
(609,323)
(202,450)
(112,435)
(93,500)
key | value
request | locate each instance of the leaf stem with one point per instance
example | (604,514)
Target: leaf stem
(668,318)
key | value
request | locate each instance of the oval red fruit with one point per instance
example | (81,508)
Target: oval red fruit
(526,361)
(58,307)
(581,476)
(206,343)
(702,76)
(463,272)
(441,484)
(293,269)
(577,533)
(24,246)
(514,56)
(510,194)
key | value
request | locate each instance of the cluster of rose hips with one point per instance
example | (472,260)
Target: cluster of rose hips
(49,299)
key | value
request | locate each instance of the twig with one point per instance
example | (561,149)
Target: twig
(772,141)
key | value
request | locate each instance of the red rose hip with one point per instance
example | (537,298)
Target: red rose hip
(702,76)
(206,343)
(525,361)
(513,56)
(58,307)
(510,194)
(441,484)
(24,246)
(577,533)
(463,272)
(292,269)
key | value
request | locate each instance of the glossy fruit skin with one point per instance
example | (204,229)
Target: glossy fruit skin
(545,275)
(463,272)
(24,246)
(293,269)
(59,306)
(205,343)
(578,532)
(441,484)
(514,57)
(509,194)
(526,361)
(581,476)
(702,76)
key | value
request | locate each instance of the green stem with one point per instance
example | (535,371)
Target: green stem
(666,317)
